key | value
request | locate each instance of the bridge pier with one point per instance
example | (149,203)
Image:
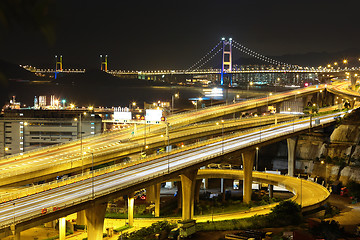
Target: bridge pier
(62,228)
(95,220)
(197,190)
(153,196)
(17,236)
(131,209)
(271,191)
(81,218)
(248,163)
(188,182)
(50,224)
(291,145)
(150,194)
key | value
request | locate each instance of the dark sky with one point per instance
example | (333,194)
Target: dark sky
(174,34)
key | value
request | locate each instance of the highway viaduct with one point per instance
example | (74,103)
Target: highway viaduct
(116,145)
(143,173)
(187,177)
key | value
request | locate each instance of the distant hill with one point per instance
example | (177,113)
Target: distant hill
(13,71)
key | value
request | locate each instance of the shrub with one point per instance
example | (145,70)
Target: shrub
(328,230)
(286,213)
(148,233)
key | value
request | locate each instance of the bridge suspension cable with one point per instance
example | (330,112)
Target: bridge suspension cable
(259,56)
(220,49)
(207,54)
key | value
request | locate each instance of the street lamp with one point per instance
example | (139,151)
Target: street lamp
(168,145)
(222,133)
(92,178)
(323,162)
(81,143)
(268,100)
(250,84)
(236,98)
(63,102)
(257,159)
(176,95)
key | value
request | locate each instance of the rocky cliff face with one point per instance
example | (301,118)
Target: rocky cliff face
(337,148)
(341,143)
(338,156)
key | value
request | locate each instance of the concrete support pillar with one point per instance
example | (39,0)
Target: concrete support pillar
(291,144)
(197,190)
(271,191)
(157,199)
(17,236)
(50,224)
(248,163)
(278,107)
(150,194)
(81,218)
(131,200)
(179,194)
(95,221)
(206,183)
(188,179)
(221,185)
(62,228)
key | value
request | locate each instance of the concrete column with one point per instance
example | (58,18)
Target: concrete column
(81,218)
(150,194)
(157,199)
(188,179)
(206,183)
(248,163)
(50,224)
(197,190)
(17,236)
(131,209)
(95,221)
(291,144)
(221,185)
(179,193)
(271,191)
(62,228)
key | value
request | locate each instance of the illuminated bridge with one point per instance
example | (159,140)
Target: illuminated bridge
(227,74)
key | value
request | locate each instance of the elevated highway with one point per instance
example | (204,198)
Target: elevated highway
(71,157)
(24,209)
(51,162)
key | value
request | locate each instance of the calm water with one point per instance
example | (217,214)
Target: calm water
(119,95)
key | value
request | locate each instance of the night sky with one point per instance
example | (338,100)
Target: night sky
(141,35)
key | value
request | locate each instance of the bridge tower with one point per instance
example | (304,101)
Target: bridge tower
(58,63)
(104,63)
(226,59)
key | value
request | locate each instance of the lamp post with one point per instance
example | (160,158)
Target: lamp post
(222,134)
(145,134)
(301,192)
(257,159)
(325,182)
(81,143)
(176,95)
(267,102)
(250,84)
(92,178)
(168,144)
(14,217)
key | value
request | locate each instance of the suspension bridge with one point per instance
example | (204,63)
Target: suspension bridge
(227,70)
